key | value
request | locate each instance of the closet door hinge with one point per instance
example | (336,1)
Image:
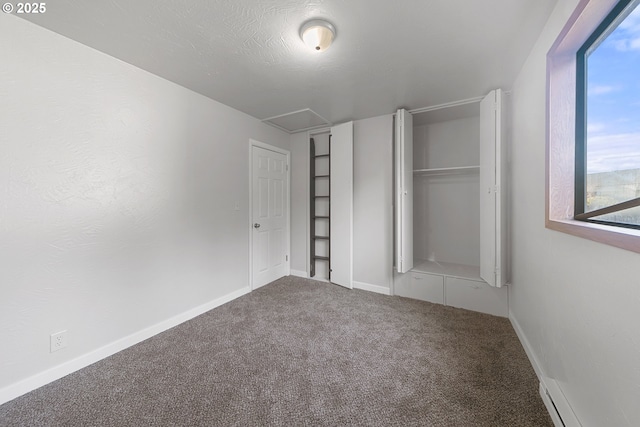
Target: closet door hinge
(287,167)
(494,189)
(286,257)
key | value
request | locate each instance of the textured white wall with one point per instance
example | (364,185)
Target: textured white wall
(372,201)
(577,301)
(117,198)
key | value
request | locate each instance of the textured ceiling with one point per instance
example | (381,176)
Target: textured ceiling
(247,53)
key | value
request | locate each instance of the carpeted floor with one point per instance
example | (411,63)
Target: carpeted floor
(300,352)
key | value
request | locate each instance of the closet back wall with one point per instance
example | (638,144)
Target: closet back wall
(446,221)
(118,195)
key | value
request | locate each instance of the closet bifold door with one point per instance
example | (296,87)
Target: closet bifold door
(404,191)
(493,233)
(341,205)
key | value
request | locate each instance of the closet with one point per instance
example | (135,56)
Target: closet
(450,168)
(319,196)
(331,205)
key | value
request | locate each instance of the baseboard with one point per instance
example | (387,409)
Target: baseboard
(299,273)
(527,346)
(556,403)
(21,387)
(551,409)
(371,288)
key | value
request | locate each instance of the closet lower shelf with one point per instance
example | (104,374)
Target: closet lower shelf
(454,285)
(449,269)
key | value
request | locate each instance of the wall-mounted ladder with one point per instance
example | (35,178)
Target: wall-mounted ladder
(319,256)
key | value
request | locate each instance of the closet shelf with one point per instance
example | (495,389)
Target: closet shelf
(447,171)
(324,235)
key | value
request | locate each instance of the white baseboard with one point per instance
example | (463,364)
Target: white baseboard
(557,405)
(527,346)
(26,385)
(299,273)
(371,288)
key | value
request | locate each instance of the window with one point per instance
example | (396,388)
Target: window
(563,214)
(607,166)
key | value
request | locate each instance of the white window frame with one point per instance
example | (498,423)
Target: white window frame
(561,131)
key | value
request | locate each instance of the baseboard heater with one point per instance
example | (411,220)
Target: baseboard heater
(557,405)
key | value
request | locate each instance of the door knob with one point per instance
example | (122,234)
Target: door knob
(256,225)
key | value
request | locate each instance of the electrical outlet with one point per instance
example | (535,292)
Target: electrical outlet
(58,341)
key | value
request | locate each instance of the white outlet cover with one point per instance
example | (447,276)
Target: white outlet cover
(58,341)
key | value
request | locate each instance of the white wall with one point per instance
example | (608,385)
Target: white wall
(373,203)
(117,198)
(577,302)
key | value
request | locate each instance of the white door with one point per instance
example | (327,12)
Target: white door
(493,189)
(404,191)
(502,232)
(341,205)
(269,215)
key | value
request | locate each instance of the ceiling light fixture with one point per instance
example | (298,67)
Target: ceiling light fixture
(318,34)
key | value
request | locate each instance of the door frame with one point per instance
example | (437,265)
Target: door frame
(287,153)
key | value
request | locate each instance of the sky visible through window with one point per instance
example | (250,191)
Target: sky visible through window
(613,101)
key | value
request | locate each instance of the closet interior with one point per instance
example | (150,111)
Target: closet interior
(331,204)
(450,236)
(320,200)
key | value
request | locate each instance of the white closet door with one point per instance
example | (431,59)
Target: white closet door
(501,195)
(492,205)
(404,191)
(341,205)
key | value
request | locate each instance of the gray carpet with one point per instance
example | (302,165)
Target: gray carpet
(299,352)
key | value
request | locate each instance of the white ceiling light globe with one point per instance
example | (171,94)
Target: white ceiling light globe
(318,34)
